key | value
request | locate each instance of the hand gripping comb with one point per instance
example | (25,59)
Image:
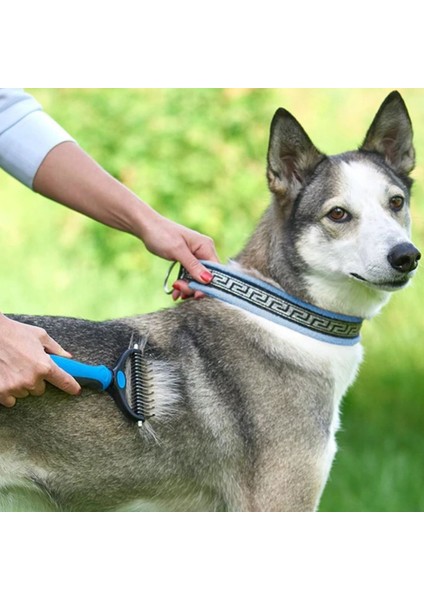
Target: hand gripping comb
(133,394)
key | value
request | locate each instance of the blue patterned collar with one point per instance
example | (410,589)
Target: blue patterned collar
(272,303)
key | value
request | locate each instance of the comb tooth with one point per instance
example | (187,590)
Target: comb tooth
(142,400)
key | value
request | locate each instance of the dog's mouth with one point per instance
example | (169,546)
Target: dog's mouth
(387,286)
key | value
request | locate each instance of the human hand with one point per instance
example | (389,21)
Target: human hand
(25,365)
(178,243)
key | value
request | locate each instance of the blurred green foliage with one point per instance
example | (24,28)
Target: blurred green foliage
(198,157)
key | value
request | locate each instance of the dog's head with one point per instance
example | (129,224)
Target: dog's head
(348,214)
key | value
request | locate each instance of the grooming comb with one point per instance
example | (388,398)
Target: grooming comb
(133,394)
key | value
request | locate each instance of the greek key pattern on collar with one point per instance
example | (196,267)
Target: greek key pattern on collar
(282,307)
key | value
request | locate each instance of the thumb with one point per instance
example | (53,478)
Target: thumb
(199,272)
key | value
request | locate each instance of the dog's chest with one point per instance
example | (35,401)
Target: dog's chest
(317,360)
(335,362)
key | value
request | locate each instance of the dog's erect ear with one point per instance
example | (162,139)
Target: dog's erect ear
(390,134)
(291,156)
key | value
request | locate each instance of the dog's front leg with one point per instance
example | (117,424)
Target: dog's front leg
(286,483)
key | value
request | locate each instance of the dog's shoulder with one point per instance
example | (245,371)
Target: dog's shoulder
(86,340)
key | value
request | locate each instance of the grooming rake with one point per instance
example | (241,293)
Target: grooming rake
(133,394)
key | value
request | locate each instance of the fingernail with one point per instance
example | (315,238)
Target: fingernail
(177,286)
(206,276)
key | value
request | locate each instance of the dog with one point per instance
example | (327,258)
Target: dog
(246,407)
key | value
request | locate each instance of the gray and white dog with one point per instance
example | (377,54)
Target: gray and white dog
(246,406)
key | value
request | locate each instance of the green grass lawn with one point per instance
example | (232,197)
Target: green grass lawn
(198,156)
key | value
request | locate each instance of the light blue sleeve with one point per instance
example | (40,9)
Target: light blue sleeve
(27,134)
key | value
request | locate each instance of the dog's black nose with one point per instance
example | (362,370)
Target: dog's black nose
(404,257)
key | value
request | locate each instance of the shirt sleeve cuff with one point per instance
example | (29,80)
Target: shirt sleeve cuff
(24,146)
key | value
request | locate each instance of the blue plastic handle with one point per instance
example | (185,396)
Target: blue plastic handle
(96,376)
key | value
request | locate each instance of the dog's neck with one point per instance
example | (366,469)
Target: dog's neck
(271,254)
(266,252)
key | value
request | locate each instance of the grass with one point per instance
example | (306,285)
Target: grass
(198,157)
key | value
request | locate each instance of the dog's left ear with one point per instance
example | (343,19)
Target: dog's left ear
(390,134)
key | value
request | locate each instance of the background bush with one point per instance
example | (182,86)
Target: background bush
(198,157)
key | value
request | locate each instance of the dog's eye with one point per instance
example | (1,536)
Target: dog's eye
(339,215)
(396,203)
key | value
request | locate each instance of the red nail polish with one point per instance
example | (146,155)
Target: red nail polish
(206,276)
(177,286)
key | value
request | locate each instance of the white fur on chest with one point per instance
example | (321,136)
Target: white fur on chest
(339,363)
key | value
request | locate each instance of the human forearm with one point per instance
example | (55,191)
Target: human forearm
(71,177)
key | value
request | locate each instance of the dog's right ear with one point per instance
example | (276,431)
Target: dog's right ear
(291,156)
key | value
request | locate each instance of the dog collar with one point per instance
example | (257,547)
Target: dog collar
(274,304)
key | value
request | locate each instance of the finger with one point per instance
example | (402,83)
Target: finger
(183,288)
(8,401)
(62,380)
(201,246)
(37,389)
(52,347)
(21,393)
(199,295)
(207,251)
(194,267)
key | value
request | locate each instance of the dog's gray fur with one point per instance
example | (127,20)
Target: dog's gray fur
(248,418)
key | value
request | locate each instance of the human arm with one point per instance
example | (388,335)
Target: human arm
(70,176)
(41,154)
